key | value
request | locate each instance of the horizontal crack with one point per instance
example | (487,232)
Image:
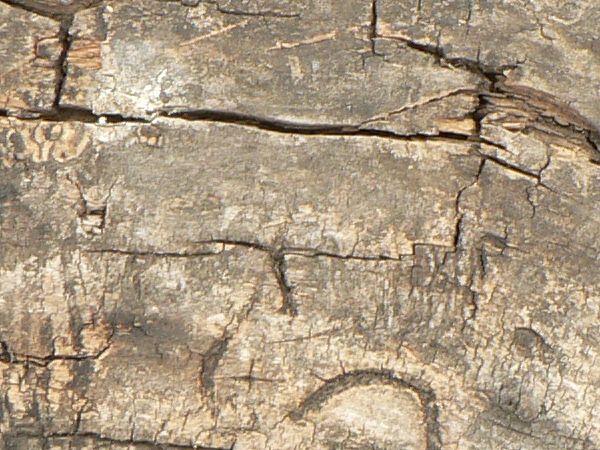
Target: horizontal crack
(156,254)
(239,12)
(51,12)
(281,126)
(7,356)
(310,253)
(70,114)
(278,251)
(492,74)
(277,255)
(101,438)
(266,13)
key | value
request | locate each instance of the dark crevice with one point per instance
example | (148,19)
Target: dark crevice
(282,126)
(7,356)
(51,12)
(512,167)
(99,438)
(458,231)
(593,138)
(595,162)
(373,26)
(277,254)
(269,14)
(74,114)
(156,254)
(490,73)
(238,12)
(288,305)
(32,9)
(233,242)
(311,253)
(479,114)
(61,65)
(71,114)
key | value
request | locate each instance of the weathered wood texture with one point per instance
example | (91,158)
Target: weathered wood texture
(260,224)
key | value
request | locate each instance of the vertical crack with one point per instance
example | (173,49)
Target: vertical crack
(279,269)
(210,362)
(61,65)
(373,26)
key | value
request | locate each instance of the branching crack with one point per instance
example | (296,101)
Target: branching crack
(64,114)
(490,73)
(7,356)
(387,115)
(277,254)
(281,126)
(265,13)
(66,20)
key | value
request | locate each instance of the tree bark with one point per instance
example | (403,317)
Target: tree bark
(261,224)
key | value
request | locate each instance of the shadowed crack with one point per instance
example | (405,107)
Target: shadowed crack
(102,439)
(239,12)
(282,126)
(490,73)
(288,305)
(7,356)
(70,114)
(413,106)
(373,27)
(157,254)
(546,106)
(61,65)
(210,362)
(277,255)
(66,12)
(264,13)
(66,20)
(512,168)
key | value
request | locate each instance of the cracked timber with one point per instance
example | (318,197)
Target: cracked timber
(299,224)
